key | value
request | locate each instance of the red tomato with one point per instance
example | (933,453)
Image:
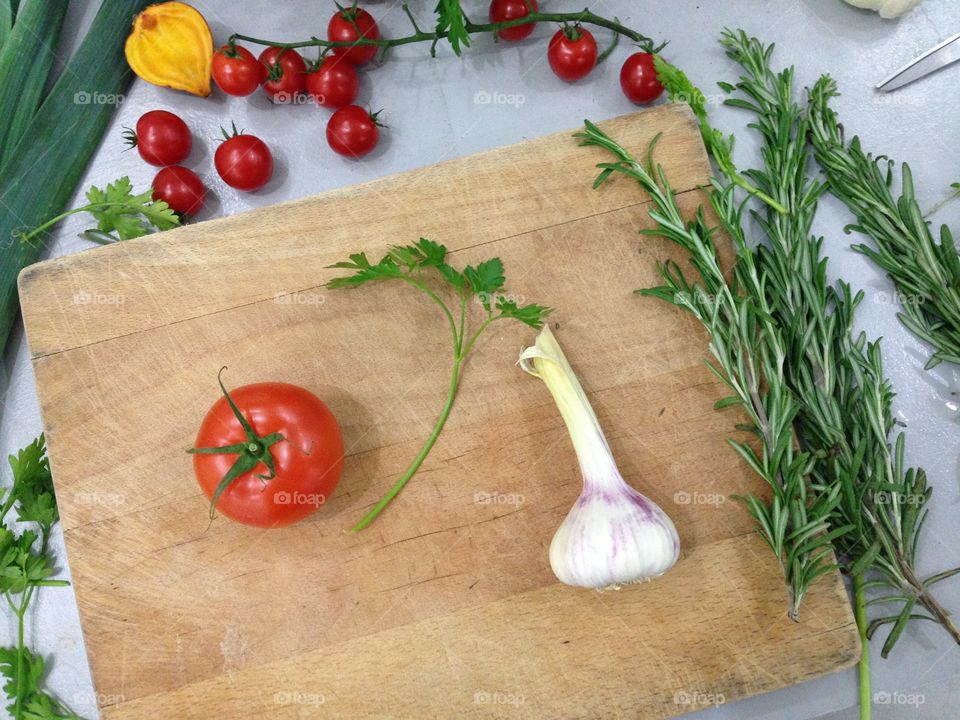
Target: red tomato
(572,53)
(161,138)
(308,460)
(285,74)
(638,78)
(236,71)
(352,131)
(334,83)
(179,188)
(504,10)
(244,162)
(341,29)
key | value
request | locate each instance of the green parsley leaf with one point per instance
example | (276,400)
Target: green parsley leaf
(33,485)
(123,215)
(36,704)
(20,565)
(450,19)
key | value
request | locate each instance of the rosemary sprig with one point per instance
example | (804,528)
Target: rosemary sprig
(419,265)
(749,351)
(844,419)
(777,315)
(926,272)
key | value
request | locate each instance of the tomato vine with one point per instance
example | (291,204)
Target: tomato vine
(453,25)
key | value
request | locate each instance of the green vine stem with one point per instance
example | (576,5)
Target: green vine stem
(583,17)
(863,666)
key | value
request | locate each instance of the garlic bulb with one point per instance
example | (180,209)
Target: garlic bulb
(887,8)
(613,535)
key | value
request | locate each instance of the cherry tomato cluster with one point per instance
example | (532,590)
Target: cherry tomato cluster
(573,53)
(163,139)
(330,81)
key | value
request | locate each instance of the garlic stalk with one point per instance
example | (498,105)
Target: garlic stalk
(613,535)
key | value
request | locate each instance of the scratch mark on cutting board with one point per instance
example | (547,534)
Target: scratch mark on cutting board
(234,648)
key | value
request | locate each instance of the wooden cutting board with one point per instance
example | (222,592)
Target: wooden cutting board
(446,606)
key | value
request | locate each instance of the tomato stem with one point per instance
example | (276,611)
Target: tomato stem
(613,46)
(584,17)
(254,451)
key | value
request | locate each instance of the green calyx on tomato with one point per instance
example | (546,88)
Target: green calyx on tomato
(255,451)
(572,31)
(230,50)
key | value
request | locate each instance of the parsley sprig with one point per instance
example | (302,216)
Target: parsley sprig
(25,566)
(120,214)
(420,265)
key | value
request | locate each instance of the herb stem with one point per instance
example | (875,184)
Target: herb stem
(756,192)
(927,599)
(21,649)
(443,306)
(93,207)
(424,451)
(863,666)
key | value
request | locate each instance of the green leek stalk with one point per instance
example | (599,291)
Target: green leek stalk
(25,62)
(43,169)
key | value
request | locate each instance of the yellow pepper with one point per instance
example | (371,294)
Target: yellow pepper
(171,46)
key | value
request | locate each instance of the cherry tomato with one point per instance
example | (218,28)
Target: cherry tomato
(504,10)
(352,131)
(236,71)
(285,74)
(341,29)
(572,53)
(179,188)
(334,83)
(308,460)
(638,78)
(161,138)
(244,162)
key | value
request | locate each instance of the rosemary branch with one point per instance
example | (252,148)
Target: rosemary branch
(925,272)
(782,340)
(844,418)
(749,351)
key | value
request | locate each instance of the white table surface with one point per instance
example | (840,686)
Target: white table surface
(432,116)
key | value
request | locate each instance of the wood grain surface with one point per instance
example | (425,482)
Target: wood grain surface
(446,606)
